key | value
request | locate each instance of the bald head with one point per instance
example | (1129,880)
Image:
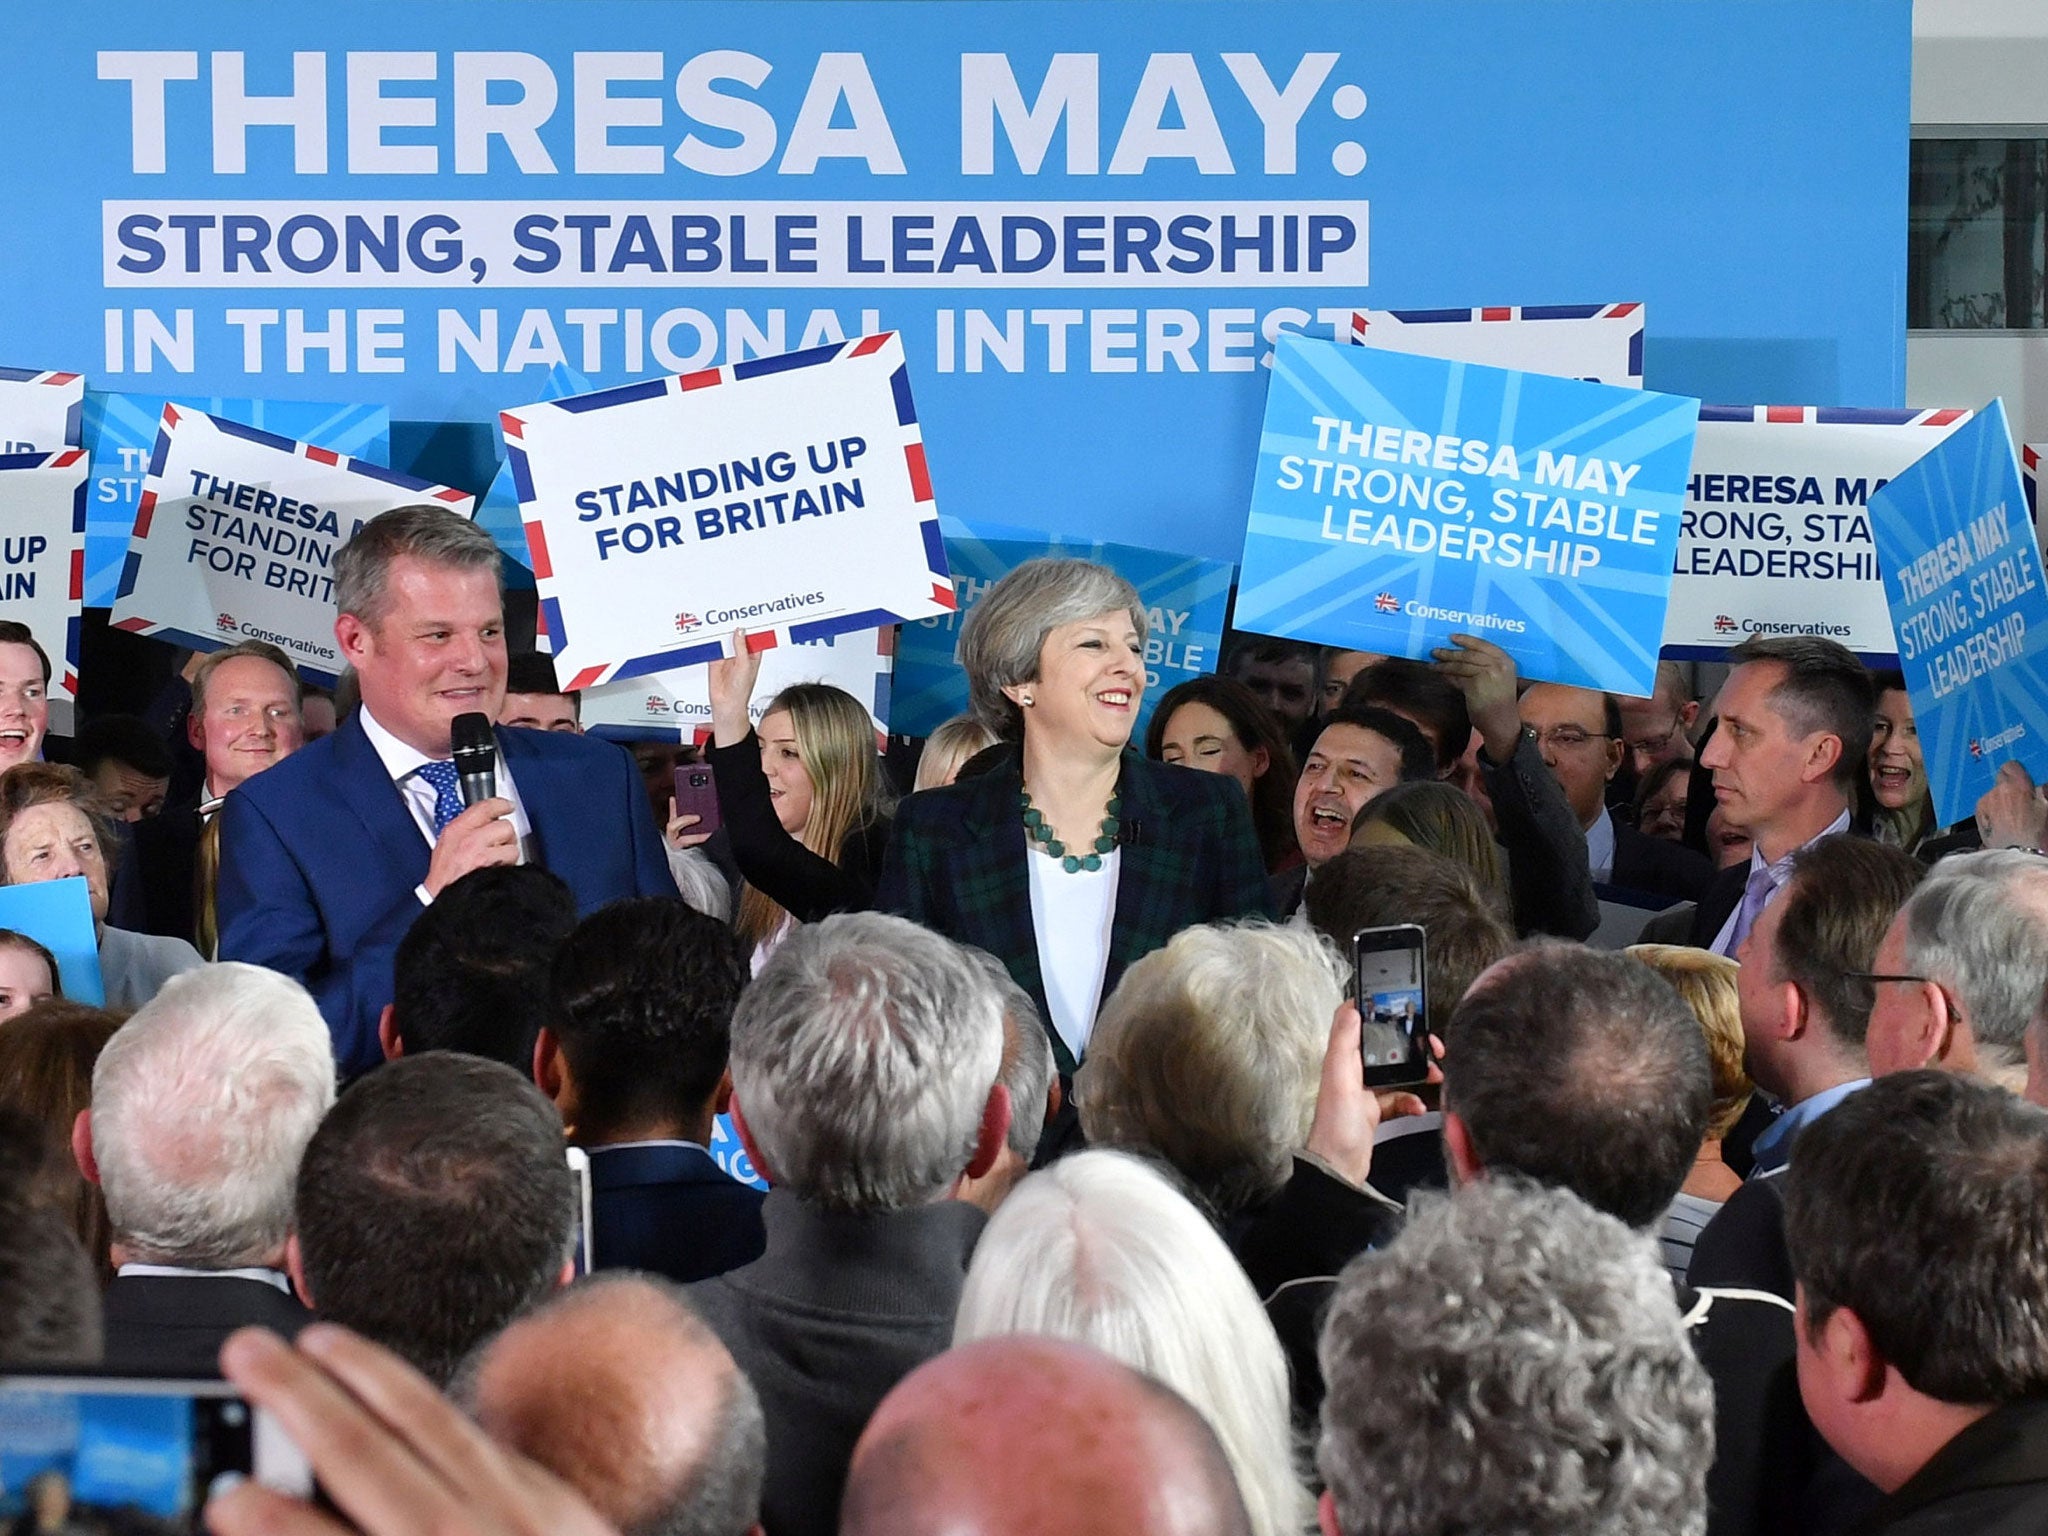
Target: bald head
(617,1388)
(964,1446)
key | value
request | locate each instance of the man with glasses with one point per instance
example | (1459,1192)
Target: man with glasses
(1961,971)
(1659,729)
(1579,733)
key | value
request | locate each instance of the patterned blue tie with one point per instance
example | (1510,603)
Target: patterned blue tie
(447,798)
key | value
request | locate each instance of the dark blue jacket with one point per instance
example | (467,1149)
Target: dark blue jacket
(668,1208)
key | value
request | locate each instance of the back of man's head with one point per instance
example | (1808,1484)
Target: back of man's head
(1019,1435)
(1581,1069)
(620,1390)
(1513,1361)
(1027,1066)
(1978,927)
(1916,1205)
(1386,883)
(202,1104)
(1840,898)
(49,1295)
(1419,692)
(863,1059)
(434,1204)
(643,994)
(472,971)
(1821,687)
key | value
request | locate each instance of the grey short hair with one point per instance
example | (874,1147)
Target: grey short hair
(863,1057)
(202,1106)
(1004,633)
(427,533)
(1209,1054)
(1027,1055)
(1513,1361)
(1101,1249)
(1979,926)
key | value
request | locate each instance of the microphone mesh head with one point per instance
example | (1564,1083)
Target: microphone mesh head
(470,737)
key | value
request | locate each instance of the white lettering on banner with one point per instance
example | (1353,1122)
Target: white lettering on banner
(270,244)
(1171,113)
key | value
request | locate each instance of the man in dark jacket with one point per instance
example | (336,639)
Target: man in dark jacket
(1914,1215)
(864,1061)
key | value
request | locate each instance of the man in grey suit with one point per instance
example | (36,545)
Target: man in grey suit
(864,1064)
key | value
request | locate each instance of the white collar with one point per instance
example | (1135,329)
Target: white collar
(258,1272)
(401,760)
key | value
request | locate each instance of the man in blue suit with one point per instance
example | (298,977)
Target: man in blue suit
(328,858)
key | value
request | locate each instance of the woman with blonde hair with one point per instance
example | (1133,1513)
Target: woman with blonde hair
(947,750)
(1438,818)
(1101,1249)
(1707,983)
(802,800)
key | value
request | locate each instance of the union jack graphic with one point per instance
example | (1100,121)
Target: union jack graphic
(1386,602)
(1723,624)
(225,622)
(656,704)
(1976,747)
(685,622)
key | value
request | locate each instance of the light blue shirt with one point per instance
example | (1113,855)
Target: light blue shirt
(1773,1150)
(1600,846)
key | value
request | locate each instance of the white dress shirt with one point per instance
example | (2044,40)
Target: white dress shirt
(404,762)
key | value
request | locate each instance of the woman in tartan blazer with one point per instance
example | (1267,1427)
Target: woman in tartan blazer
(1072,856)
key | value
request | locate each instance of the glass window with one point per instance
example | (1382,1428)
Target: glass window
(1977,235)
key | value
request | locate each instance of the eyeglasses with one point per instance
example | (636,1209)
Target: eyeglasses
(1877,976)
(1657,743)
(1569,738)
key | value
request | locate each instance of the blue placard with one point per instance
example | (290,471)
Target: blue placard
(1088,221)
(730,1155)
(1185,599)
(57,914)
(1964,581)
(1399,500)
(121,431)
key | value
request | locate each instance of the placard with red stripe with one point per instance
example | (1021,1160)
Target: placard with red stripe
(1601,343)
(41,410)
(236,532)
(787,495)
(1776,533)
(677,705)
(42,561)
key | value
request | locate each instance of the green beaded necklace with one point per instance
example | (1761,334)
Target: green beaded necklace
(1037,830)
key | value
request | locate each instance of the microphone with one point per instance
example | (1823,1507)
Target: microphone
(476,756)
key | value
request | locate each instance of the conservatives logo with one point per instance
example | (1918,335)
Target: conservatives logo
(225,623)
(656,704)
(1723,625)
(1386,602)
(685,622)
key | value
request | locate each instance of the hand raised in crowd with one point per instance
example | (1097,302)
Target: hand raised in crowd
(732,690)
(1349,1114)
(1485,674)
(677,834)
(480,837)
(2014,811)
(394,1455)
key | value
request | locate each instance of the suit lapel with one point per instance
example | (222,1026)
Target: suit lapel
(363,784)
(541,796)
(993,881)
(1149,867)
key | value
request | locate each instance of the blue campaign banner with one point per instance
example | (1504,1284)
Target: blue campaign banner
(1088,222)
(57,914)
(1400,500)
(1963,576)
(120,430)
(1185,599)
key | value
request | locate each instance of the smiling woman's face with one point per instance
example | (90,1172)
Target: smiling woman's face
(1091,680)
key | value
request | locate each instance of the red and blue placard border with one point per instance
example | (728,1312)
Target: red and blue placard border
(145,509)
(1361,321)
(64,458)
(513,424)
(74,417)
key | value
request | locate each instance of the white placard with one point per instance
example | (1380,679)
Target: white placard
(1776,534)
(42,561)
(40,411)
(236,532)
(680,701)
(1601,343)
(788,495)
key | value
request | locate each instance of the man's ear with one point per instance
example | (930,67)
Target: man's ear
(81,1147)
(721,1096)
(547,1063)
(387,1033)
(739,1129)
(1794,1018)
(195,731)
(1821,758)
(1462,1160)
(1617,749)
(1688,715)
(1853,1364)
(295,1266)
(995,1126)
(353,636)
(1326,1514)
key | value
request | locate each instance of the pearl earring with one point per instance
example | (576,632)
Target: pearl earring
(1026,701)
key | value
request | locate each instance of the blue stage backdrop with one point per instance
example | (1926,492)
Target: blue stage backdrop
(1088,220)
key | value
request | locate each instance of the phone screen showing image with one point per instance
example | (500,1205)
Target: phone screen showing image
(1392,1005)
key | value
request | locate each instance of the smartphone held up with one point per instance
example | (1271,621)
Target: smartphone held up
(1390,969)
